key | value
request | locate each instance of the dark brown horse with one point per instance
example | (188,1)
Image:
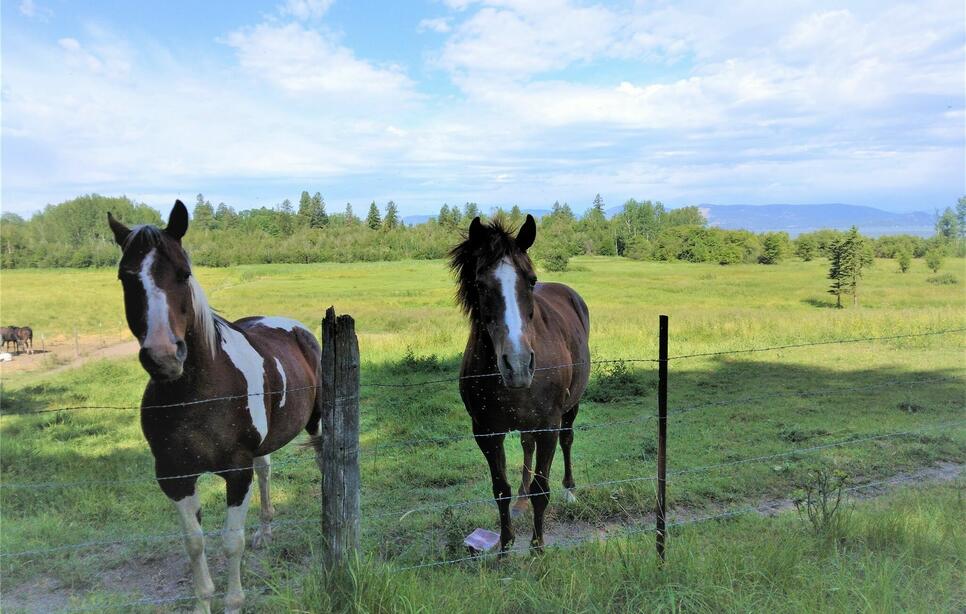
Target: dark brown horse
(535,335)
(25,338)
(9,335)
(222,395)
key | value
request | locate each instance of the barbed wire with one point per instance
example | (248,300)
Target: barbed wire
(484,375)
(630,531)
(647,417)
(814,343)
(699,469)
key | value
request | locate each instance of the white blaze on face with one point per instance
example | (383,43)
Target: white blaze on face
(506,275)
(281,371)
(158,323)
(252,366)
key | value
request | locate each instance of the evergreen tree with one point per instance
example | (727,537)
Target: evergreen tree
(599,204)
(470,211)
(805,248)
(961,216)
(306,209)
(373,219)
(773,248)
(849,256)
(320,219)
(516,216)
(392,216)
(350,218)
(835,271)
(203,215)
(443,219)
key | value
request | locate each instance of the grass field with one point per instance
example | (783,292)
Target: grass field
(409,330)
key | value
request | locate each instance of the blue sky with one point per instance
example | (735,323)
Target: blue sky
(498,102)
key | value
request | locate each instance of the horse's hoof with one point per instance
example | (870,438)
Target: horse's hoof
(536,545)
(234,603)
(569,496)
(202,607)
(261,539)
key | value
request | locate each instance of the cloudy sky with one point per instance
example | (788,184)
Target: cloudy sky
(498,102)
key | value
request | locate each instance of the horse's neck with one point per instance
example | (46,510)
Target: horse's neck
(200,362)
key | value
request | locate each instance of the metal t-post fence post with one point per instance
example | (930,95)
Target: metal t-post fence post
(338,455)
(661,519)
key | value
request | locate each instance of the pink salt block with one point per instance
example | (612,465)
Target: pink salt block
(481,540)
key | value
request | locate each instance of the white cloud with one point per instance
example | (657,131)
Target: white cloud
(301,60)
(32,10)
(305,9)
(436,24)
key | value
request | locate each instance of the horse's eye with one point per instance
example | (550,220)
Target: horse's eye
(533,282)
(183,276)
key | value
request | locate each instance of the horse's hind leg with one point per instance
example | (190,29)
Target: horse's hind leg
(263,469)
(239,494)
(567,440)
(185,498)
(540,488)
(523,496)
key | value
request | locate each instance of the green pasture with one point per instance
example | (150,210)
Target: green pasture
(417,455)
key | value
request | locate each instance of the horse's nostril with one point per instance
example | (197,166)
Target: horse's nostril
(533,360)
(506,363)
(182,350)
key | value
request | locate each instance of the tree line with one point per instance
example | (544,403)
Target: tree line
(74,234)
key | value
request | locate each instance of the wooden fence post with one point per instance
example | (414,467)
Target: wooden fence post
(338,457)
(662,438)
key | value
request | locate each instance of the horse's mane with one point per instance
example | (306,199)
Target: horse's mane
(468,257)
(149,236)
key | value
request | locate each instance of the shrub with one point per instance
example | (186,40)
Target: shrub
(934,260)
(555,261)
(946,279)
(904,258)
(820,501)
(614,382)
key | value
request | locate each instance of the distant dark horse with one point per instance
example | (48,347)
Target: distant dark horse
(25,338)
(535,336)
(262,372)
(9,335)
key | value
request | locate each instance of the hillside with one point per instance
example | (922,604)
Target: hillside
(796,219)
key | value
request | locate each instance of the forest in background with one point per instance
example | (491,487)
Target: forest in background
(75,234)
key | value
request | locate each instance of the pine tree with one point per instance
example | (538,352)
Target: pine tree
(373,219)
(350,218)
(306,207)
(470,211)
(443,219)
(320,219)
(204,214)
(837,288)
(599,204)
(392,216)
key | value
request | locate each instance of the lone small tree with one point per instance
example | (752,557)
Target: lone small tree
(847,257)
(392,216)
(904,258)
(934,259)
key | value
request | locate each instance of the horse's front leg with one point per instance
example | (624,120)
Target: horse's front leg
(540,488)
(492,448)
(182,493)
(239,495)
(523,495)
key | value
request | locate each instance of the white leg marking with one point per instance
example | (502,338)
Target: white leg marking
(281,371)
(194,543)
(252,366)
(263,469)
(233,540)
(506,274)
(285,324)
(159,325)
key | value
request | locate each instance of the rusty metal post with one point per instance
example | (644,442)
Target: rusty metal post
(662,438)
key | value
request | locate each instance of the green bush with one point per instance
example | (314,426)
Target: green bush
(946,279)
(555,261)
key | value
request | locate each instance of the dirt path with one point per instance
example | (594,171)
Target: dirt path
(59,357)
(164,575)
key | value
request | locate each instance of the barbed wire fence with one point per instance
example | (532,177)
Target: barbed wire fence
(350,400)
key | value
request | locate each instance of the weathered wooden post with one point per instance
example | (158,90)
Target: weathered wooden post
(662,437)
(338,456)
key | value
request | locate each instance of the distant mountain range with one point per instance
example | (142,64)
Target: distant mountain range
(793,219)
(796,219)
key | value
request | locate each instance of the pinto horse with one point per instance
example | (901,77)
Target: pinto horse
(25,338)
(535,335)
(222,395)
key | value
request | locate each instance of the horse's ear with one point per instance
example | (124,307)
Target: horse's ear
(476,230)
(527,234)
(120,231)
(177,221)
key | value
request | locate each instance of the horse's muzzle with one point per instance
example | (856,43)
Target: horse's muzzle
(517,370)
(164,365)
